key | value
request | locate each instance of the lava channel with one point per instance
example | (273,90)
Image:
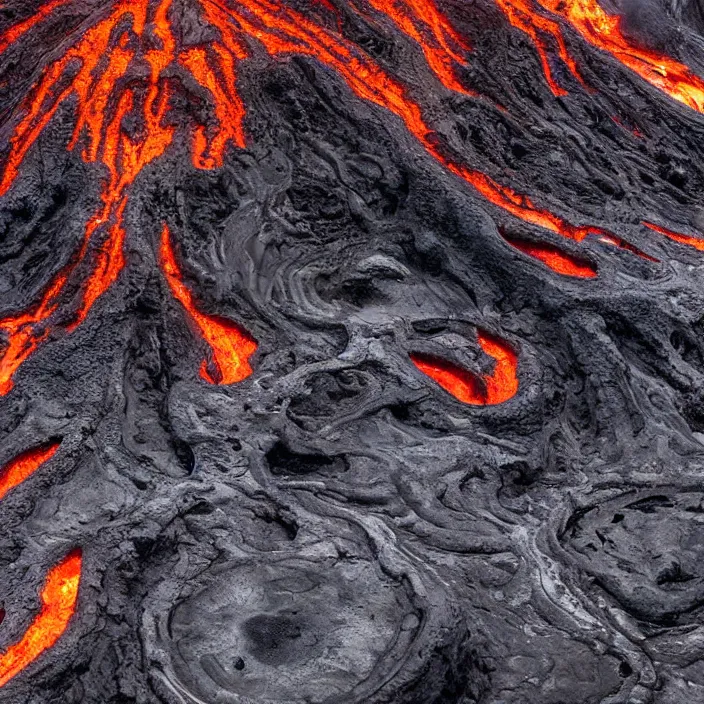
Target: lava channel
(555,259)
(21,28)
(689,240)
(443,47)
(58,597)
(103,73)
(24,466)
(487,390)
(101,63)
(602,31)
(297,35)
(231,346)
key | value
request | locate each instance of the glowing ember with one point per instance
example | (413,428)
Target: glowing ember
(604,32)
(555,259)
(470,388)
(58,605)
(690,240)
(99,73)
(231,345)
(22,467)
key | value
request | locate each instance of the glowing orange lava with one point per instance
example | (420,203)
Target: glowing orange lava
(123,66)
(58,605)
(690,240)
(603,31)
(443,47)
(555,259)
(465,386)
(522,15)
(297,35)
(22,467)
(231,345)
(89,71)
(21,28)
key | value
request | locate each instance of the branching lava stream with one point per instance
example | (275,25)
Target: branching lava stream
(96,71)
(603,31)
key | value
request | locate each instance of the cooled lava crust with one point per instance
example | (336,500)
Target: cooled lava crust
(352,352)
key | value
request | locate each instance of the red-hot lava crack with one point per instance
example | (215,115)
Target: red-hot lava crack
(58,597)
(541,18)
(60,590)
(21,468)
(487,390)
(106,141)
(93,72)
(231,346)
(443,47)
(20,29)
(122,81)
(689,240)
(554,258)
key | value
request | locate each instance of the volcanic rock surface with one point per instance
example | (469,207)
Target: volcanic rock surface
(351,352)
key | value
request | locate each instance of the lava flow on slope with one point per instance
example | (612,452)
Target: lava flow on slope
(486,390)
(60,591)
(124,65)
(58,598)
(231,345)
(540,18)
(321,533)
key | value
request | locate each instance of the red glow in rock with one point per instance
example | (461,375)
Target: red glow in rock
(443,47)
(102,60)
(689,240)
(97,71)
(604,32)
(59,597)
(488,390)
(230,344)
(22,467)
(21,28)
(557,260)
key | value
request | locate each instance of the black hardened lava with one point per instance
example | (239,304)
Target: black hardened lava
(351,352)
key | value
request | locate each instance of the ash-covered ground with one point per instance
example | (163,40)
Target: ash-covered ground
(336,527)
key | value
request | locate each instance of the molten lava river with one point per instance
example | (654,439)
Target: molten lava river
(352,351)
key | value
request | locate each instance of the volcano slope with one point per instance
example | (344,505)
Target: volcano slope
(351,351)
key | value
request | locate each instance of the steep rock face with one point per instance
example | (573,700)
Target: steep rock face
(337,362)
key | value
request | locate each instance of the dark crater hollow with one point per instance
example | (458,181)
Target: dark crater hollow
(351,352)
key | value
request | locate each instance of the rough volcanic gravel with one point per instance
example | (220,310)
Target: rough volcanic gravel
(337,528)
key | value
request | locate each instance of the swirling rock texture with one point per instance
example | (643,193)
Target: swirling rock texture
(351,351)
